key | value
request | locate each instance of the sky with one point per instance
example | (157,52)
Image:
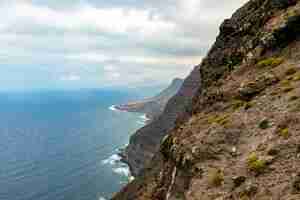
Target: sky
(104,43)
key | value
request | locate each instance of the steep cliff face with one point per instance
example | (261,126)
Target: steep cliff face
(241,141)
(154,106)
(145,142)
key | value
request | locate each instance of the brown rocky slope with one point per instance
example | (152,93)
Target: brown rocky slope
(145,142)
(242,140)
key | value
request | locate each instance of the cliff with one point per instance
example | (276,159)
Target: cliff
(145,142)
(153,106)
(241,138)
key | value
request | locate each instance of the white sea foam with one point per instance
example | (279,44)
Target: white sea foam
(113,108)
(141,122)
(123,171)
(118,167)
(144,117)
(112,160)
(131,178)
(102,198)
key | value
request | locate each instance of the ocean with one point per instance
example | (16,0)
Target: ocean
(63,145)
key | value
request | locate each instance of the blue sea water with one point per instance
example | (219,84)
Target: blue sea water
(63,145)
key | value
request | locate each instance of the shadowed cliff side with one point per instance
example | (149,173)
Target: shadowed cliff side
(145,142)
(241,141)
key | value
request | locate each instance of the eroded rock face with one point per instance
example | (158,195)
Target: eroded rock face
(223,140)
(145,142)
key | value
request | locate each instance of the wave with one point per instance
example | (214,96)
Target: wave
(101,198)
(118,166)
(143,119)
(141,122)
(112,160)
(123,171)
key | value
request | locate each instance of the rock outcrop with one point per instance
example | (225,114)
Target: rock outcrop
(241,138)
(145,142)
(154,106)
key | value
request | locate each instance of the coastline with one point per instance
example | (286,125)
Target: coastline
(121,152)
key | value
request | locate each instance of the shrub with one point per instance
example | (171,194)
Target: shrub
(215,177)
(255,164)
(270,62)
(252,157)
(264,124)
(284,132)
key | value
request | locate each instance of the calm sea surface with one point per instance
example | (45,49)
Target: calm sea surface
(62,145)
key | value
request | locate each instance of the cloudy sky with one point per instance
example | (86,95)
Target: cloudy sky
(104,43)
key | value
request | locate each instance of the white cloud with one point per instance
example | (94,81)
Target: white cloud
(98,43)
(83,18)
(70,77)
(88,57)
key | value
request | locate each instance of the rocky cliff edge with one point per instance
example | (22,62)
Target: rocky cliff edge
(241,141)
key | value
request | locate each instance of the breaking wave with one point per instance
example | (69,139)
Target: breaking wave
(118,166)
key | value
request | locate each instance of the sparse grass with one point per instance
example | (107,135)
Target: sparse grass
(296,107)
(218,119)
(293,98)
(252,157)
(244,197)
(296,77)
(215,177)
(274,93)
(285,82)
(270,62)
(284,132)
(290,71)
(255,164)
(237,104)
(287,89)
(249,105)
(289,13)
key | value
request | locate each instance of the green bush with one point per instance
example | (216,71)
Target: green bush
(264,124)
